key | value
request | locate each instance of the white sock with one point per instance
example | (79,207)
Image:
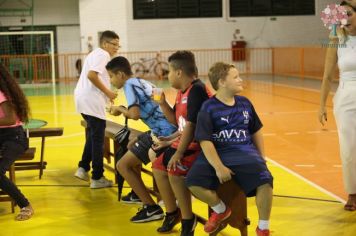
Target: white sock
(219,208)
(263,224)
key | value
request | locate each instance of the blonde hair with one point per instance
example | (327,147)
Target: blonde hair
(340,37)
(217,71)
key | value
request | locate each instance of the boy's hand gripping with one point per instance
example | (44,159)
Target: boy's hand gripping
(224,174)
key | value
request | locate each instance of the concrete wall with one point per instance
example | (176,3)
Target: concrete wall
(96,16)
(64,14)
(199,33)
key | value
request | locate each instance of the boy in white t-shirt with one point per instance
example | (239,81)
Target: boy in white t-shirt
(92,93)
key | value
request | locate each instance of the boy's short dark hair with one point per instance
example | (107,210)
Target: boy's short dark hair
(108,35)
(119,64)
(185,61)
(217,71)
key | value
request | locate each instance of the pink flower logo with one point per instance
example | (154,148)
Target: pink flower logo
(334,15)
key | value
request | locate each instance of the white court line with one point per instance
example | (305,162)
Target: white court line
(291,133)
(301,88)
(308,181)
(298,133)
(327,130)
(308,132)
(294,87)
(314,132)
(300,165)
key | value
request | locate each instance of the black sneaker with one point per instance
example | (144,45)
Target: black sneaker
(131,198)
(148,213)
(188,226)
(170,220)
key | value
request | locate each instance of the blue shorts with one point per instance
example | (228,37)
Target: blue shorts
(248,176)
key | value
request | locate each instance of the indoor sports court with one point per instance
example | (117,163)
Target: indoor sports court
(282,70)
(308,187)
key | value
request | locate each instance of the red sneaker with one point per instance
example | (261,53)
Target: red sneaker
(260,232)
(215,220)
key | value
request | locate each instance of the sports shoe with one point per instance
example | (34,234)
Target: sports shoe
(100,183)
(188,226)
(170,220)
(260,232)
(131,198)
(215,220)
(82,174)
(148,213)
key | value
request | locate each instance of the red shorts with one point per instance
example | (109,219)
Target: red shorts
(186,162)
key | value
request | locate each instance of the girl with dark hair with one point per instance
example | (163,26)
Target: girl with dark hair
(14,110)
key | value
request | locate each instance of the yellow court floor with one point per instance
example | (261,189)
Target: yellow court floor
(304,203)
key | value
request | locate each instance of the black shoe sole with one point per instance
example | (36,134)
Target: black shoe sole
(152,218)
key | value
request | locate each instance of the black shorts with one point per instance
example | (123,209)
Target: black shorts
(141,147)
(247,176)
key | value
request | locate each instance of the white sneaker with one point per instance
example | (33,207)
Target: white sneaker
(82,174)
(101,183)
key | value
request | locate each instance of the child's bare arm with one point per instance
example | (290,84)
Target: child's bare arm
(173,136)
(131,113)
(186,138)
(257,139)
(167,110)
(222,172)
(94,78)
(161,142)
(211,154)
(114,110)
(9,115)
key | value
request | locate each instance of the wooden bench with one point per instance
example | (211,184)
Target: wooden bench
(38,165)
(111,129)
(229,192)
(233,196)
(28,155)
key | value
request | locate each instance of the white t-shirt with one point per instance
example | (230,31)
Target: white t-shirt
(347,59)
(89,100)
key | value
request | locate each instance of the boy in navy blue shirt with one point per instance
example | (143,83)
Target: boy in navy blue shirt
(229,132)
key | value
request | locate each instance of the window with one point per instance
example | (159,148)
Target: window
(271,7)
(157,9)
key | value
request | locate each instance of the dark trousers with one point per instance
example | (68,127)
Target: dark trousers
(13,143)
(94,146)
